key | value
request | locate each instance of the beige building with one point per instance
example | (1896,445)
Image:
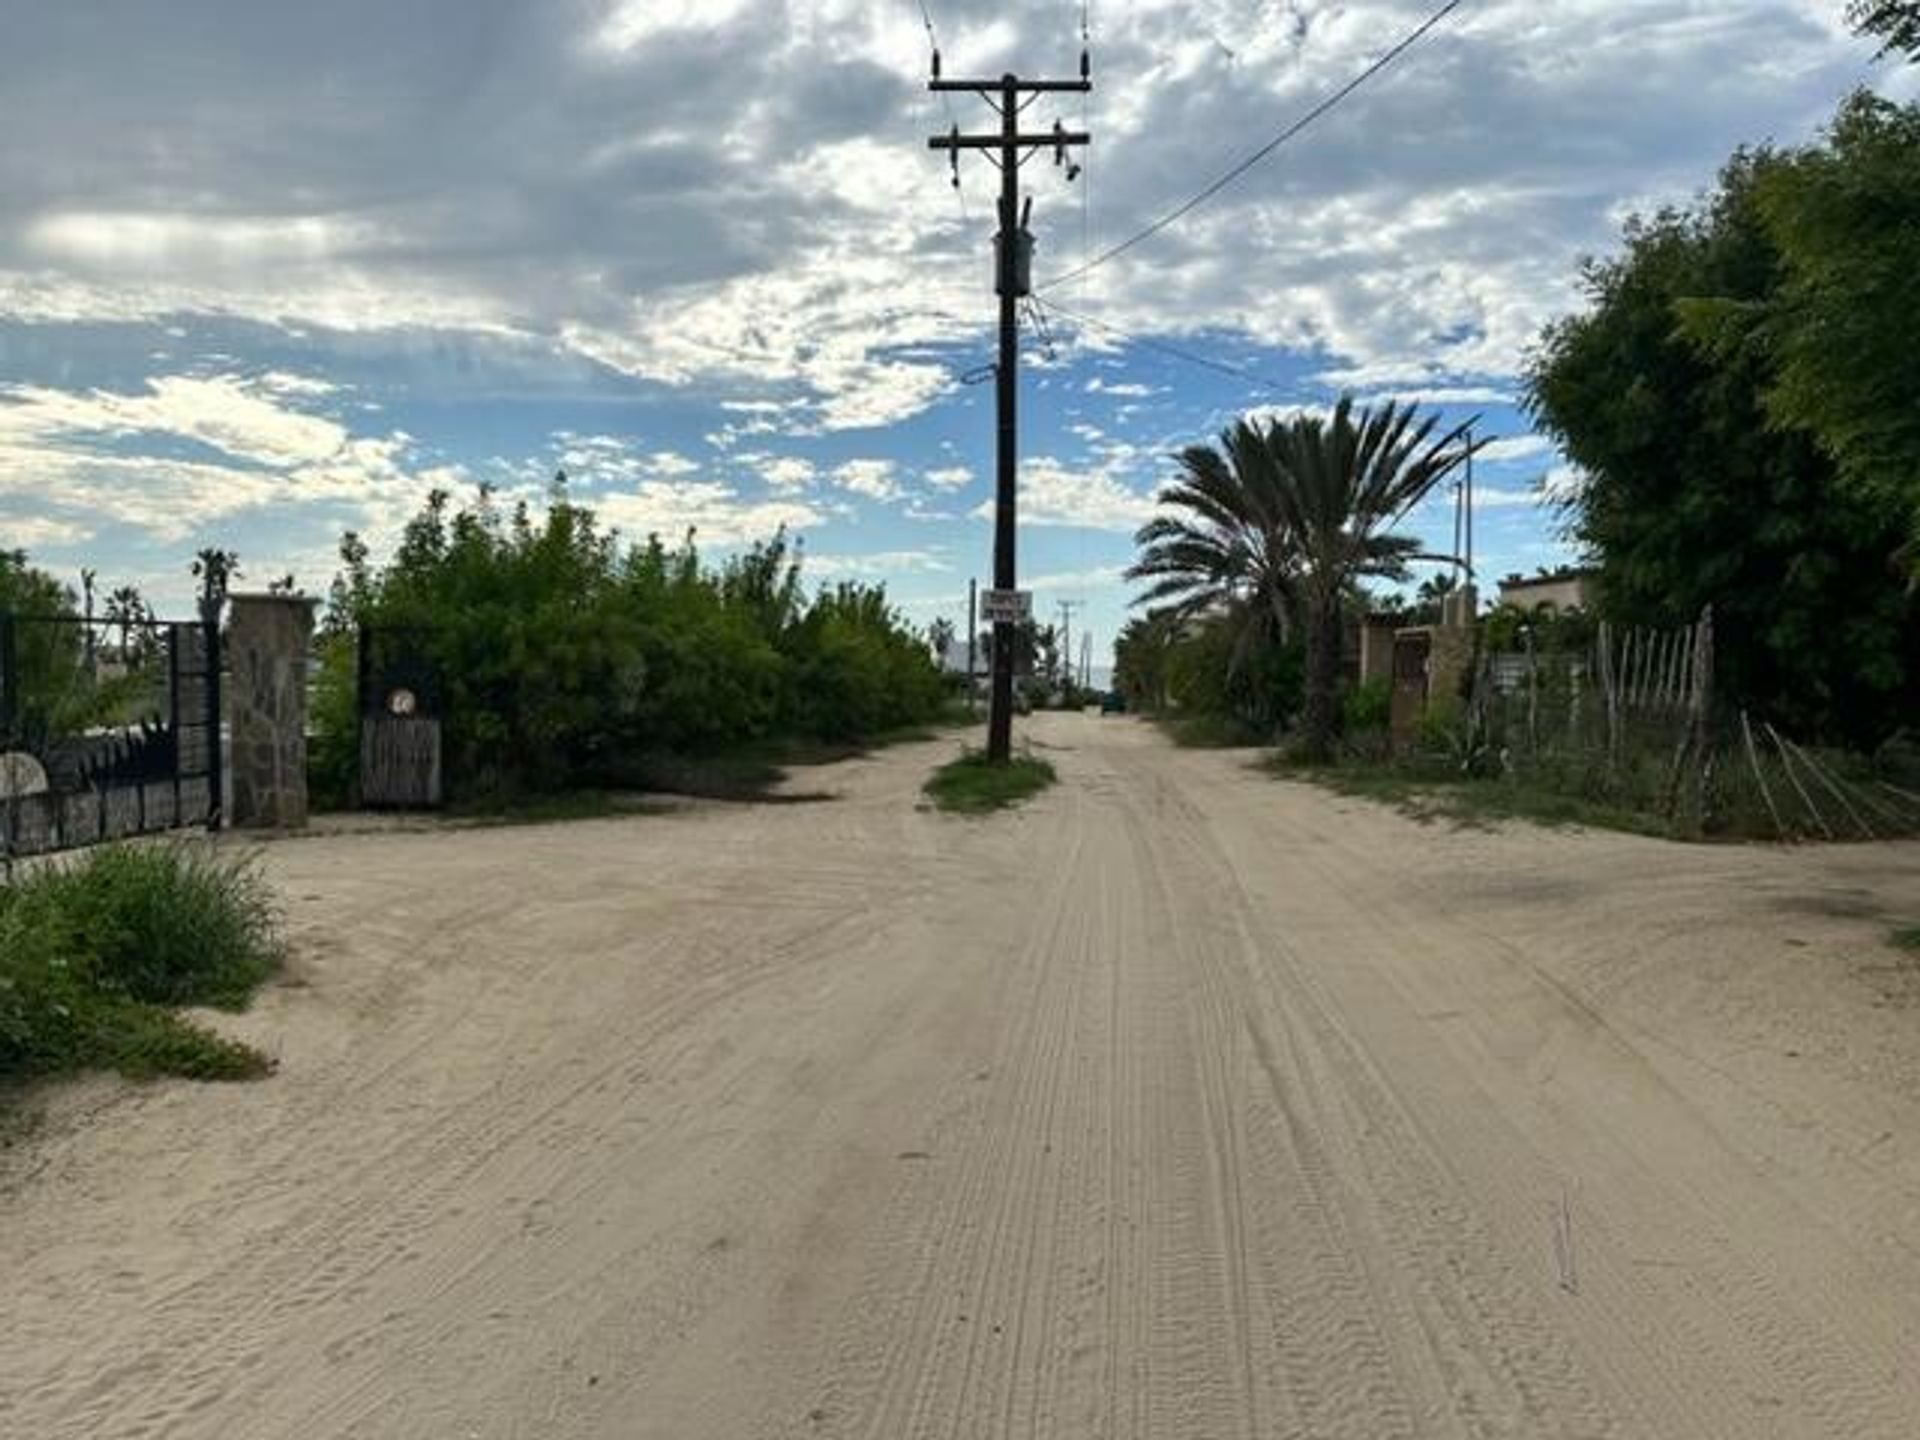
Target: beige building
(1570,589)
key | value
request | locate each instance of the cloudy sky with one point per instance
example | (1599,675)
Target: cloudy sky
(272,270)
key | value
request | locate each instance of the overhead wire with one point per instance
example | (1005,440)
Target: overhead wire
(946,104)
(1214,187)
(1147,342)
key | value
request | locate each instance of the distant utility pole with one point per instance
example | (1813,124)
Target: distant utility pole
(973,632)
(1013,279)
(1067,607)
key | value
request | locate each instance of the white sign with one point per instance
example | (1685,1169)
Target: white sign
(1015,607)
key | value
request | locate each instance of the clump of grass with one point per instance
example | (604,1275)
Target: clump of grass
(94,953)
(1906,938)
(972,785)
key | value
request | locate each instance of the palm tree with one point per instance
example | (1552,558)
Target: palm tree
(1278,524)
(1348,478)
(1224,548)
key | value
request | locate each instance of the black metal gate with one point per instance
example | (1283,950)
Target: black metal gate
(107,729)
(401,701)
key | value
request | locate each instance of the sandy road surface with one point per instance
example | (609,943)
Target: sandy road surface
(1183,1104)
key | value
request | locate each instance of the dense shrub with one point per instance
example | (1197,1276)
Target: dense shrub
(93,951)
(564,654)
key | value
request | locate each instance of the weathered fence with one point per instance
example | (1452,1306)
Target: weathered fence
(1631,720)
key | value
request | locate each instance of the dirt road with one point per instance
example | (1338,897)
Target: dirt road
(1184,1103)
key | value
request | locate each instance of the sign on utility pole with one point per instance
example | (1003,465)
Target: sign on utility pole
(1006,607)
(1013,279)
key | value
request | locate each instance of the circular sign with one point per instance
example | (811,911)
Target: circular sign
(402,702)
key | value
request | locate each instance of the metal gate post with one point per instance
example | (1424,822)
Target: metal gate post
(216,766)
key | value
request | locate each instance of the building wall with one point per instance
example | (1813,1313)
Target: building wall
(1561,592)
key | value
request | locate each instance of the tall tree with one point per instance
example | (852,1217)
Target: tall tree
(1693,497)
(1347,479)
(1840,330)
(1280,523)
(1895,23)
(1221,541)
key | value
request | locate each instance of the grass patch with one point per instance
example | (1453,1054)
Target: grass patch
(1468,802)
(96,953)
(1906,938)
(972,786)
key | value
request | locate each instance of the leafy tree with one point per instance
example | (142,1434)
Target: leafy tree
(1840,330)
(1895,23)
(56,688)
(1141,656)
(1693,498)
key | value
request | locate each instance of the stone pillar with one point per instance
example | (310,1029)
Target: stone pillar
(267,647)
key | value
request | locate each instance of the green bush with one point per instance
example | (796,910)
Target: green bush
(1367,707)
(565,654)
(333,739)
(93,951)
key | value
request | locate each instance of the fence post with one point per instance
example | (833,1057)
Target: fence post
(270,635)
(216,768)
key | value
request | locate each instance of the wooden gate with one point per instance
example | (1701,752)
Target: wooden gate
(1411,652)
(400,720)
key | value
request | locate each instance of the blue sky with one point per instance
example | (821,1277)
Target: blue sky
(269,272)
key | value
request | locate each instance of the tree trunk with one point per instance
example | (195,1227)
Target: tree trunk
(1321,721)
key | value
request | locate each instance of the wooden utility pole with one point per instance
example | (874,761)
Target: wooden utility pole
(1013,279)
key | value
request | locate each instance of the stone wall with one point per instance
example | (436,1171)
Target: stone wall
(267,644)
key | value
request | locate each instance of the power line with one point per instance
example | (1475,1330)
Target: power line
(946,103)
(1148,343)
(1412,38)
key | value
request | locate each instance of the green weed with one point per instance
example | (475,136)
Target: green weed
(973,786)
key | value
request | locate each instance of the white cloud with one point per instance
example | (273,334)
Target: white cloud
(1515,447)
(1133,389)
(802,240)
(875,479)
(1488,498)
(38,532)
(785,472)
(880,562)
(1092,498)
(716,512)
(112,453)
(948,477)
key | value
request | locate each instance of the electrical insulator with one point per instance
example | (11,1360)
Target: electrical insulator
(936,63)
(1086,66)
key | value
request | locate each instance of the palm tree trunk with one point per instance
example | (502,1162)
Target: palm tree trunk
(1321,721)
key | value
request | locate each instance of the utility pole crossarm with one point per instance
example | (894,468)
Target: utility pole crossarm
(1019,87)
(997,142)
